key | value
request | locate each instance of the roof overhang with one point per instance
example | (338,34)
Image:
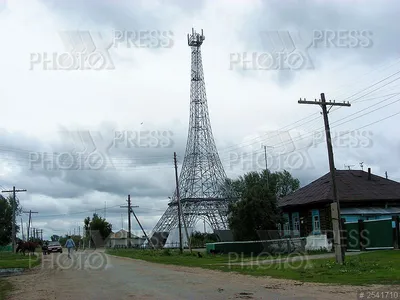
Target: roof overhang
(370,211)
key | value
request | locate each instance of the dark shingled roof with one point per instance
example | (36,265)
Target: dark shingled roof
(351,185)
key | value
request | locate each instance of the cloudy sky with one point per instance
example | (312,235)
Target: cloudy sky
(259,58)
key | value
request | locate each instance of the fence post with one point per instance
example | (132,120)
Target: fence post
(396,241)
(360,234)
(343,235)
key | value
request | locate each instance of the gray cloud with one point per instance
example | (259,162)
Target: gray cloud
(310,19)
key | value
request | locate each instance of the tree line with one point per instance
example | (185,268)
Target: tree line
(255,208)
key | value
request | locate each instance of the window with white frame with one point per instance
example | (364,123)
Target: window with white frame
(286,225)
(316,224)
(296,223)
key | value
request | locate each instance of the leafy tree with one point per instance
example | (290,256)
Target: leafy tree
(6,219)
(284,183)
(97,224)
(257,207)
(54,238)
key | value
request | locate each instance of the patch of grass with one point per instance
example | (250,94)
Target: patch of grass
(5,288)
(379,267)
(11,260)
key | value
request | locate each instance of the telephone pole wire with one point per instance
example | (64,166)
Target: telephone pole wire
(335,207)
(14,191)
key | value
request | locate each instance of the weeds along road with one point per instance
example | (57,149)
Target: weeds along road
(95,275)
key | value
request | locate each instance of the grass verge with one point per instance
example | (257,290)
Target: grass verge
(11,260)
(379,267)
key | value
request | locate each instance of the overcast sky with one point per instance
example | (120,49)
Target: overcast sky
(348,50)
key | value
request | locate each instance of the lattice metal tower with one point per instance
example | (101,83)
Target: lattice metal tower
(202,174)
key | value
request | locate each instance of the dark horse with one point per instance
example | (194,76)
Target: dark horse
(27,246)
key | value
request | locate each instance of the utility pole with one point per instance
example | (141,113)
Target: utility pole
(130,210)
(14,191)
(30,221)
(22,230)
(180,212)
(129,220)
(335,207)
(266,163)
(129,206)
(386,175)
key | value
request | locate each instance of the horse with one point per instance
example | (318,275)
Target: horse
(27,246)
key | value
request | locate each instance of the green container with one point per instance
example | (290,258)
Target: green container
(6,248)
(353,236)
(378,234)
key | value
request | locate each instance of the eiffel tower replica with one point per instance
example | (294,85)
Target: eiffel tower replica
(202,176)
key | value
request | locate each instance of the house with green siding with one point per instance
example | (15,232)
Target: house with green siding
(362,196)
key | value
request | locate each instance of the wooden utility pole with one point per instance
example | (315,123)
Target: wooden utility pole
(180,212)
(30,221)
(130,210)
(335,207)
(129,220)
(266,163)
(22,230)
(14,191)
(129,206)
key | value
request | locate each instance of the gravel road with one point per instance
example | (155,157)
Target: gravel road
(94,275)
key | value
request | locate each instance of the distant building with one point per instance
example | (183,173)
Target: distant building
(120,239)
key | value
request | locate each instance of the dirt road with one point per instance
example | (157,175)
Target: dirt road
(94,275)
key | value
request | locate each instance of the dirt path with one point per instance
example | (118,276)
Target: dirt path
(94,275)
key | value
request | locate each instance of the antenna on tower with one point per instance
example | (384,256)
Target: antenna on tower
(362,165)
